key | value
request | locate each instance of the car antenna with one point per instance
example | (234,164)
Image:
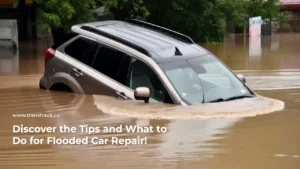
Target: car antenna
(177,52)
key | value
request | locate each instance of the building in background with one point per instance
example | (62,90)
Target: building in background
(101,16)
(294,7)
(25,15)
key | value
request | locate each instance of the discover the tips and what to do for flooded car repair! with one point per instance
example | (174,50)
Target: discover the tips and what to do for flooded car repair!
(149,84)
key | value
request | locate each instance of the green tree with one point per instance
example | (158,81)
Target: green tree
(126,8)
(283,18)
(269,10)
(62,14)
(238,12)
(235,11)
(204,21)
(256,8)
(57,16)
(199,19)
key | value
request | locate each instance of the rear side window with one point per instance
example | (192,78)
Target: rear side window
(91,54)
(108,61)
(62,39)
(79,48)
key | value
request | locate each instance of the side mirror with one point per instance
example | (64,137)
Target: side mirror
(241,77)
(142,93)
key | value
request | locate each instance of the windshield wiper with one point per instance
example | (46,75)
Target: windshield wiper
(237,97)
(217,100)
(228,99)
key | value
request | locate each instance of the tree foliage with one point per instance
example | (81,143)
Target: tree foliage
(207,20)
(204,20)
(235,11)
(62,14)
(283,18)
(198,19)
(126,8)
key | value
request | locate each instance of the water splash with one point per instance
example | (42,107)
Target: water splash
(233,109)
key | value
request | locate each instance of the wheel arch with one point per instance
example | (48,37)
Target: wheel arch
(66,80)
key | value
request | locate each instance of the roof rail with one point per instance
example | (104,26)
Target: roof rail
(113,37)
(172,33)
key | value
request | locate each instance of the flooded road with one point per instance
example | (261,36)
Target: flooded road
(270,141)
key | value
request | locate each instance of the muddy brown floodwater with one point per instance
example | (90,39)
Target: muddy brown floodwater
(270,141)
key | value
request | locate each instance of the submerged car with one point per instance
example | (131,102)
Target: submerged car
(133,59)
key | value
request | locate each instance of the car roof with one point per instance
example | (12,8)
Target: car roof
(161,44)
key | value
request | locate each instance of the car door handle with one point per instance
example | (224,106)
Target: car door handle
(122,95)
(77,72)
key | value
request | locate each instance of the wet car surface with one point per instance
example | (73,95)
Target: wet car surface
(270,141)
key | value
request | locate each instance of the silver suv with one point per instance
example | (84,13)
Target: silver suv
(133,59)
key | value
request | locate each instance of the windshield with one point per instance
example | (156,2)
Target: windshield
(204,79)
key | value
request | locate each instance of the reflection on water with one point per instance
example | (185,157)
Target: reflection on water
(9,61)
(28,59)
(254,47)
(268,141)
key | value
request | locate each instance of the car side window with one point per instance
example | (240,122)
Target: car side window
(123,76)
(78,49)
(108,61)
(90,54)
(142,75)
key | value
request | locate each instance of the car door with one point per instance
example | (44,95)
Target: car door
(83,51)
(139,74)
(107,63)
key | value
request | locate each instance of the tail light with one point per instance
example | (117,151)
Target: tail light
(49,54)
